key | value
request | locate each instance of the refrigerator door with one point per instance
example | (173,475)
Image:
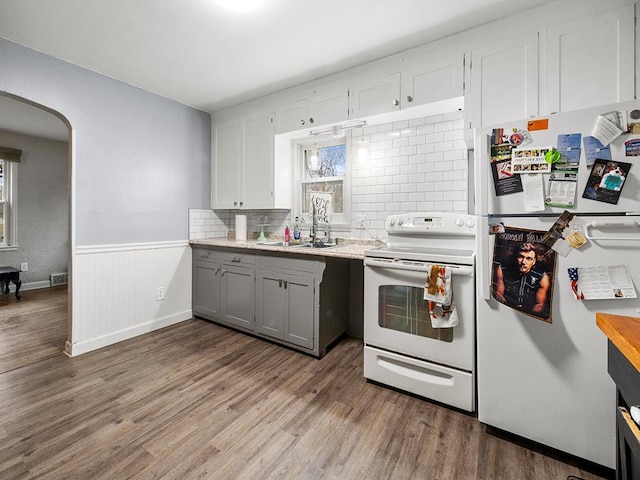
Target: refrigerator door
(582,122)
(548,382)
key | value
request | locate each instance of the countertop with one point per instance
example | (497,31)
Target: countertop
(346,248)
(624,333)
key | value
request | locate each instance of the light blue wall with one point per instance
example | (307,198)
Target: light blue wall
(141,160)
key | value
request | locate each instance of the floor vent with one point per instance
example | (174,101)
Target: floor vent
(58,279)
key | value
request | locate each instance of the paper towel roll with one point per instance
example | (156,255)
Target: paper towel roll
(241,227)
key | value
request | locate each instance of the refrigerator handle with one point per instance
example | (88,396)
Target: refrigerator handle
(610,226)
(483,253)
(482,171)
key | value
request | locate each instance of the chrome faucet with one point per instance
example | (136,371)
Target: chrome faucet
(313,231)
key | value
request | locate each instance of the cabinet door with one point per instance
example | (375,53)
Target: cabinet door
(431,78)
(271,306)
(237,300)
(590,61)
(226,162)
(504,81)
(256,181)
(373,94)
(328,105)
(206,289)
(291,115)
(300,322)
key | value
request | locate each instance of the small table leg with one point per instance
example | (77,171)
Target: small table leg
(17,283)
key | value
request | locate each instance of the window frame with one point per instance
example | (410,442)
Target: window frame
(8,203)
(339,221)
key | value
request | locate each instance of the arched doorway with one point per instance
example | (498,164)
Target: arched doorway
(41,245)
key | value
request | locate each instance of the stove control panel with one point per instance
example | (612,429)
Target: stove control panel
(433,222)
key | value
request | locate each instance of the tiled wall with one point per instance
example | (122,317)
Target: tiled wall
(414,165)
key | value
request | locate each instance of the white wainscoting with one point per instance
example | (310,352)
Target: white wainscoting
(115,289)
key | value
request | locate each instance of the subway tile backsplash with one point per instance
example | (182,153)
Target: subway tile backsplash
(419,164)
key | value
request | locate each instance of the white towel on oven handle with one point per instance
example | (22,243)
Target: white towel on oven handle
(443,316)
(437,287)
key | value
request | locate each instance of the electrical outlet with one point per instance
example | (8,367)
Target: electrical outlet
(160,293)
(24,267)
(358,221)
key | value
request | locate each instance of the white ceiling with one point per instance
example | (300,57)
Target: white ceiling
(200,54)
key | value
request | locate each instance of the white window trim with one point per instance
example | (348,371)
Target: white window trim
(10,241)
(339,222)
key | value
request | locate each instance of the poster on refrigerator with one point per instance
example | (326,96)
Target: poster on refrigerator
(523,272)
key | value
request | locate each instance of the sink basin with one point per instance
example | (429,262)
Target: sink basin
(317,245)
(277,244)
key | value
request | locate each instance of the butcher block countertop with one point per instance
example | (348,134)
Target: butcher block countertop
(344,248)
(624,333)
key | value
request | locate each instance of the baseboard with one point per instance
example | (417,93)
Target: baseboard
(75,349)
(30,286)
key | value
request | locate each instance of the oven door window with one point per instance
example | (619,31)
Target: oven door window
(403,309)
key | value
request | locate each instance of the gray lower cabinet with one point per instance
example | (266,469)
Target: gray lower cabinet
(298,301)
(286,307)
(206,283)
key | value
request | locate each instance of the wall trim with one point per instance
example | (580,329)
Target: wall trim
(75,349)
(125,247)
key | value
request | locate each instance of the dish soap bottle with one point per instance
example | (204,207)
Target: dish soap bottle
(296,231)
(287,234)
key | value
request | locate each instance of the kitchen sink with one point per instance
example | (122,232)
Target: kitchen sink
(277,244)
(317,245)
(299,245)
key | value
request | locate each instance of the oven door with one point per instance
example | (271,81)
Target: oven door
(396,316)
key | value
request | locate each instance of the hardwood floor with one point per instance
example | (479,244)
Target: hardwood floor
(199,401)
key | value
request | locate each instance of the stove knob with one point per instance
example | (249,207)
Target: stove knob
(459,222)
(400,222)
(471,222)
(392,222)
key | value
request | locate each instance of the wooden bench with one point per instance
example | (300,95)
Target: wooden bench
(10,274)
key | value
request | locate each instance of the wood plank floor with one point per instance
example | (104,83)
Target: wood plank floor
(199,401)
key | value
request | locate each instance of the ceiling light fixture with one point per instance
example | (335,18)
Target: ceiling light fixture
(240,5)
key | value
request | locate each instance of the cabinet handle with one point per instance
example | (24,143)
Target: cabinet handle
(302,122)
(216,271)
(235,204)
(280,283)
(311,120)
(396,102)
(409,98)
(223,272)
(204,255)
(285,284)
(241,203)
(236,259)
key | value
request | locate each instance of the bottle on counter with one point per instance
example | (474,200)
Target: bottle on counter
(287,234)
(296,231)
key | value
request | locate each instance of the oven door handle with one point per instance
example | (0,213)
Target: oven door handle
(465,270)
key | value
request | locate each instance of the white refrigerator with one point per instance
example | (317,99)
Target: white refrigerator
(544,380)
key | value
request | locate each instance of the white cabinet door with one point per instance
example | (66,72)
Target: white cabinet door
(291,115)
(226,164)
(375,93)
(328,104)
(504,80)
(590,61)
(430,78)
(256,181)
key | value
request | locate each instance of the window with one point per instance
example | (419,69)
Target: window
(8,171)
(323,173)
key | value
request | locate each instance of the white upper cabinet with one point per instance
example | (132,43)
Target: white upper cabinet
(420,78)
(291,113)
(590,61)
(377,91)
(242,164)
(328,104)
(429,77)
(320,105)
(257,175)
(504,80)
(225,168)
